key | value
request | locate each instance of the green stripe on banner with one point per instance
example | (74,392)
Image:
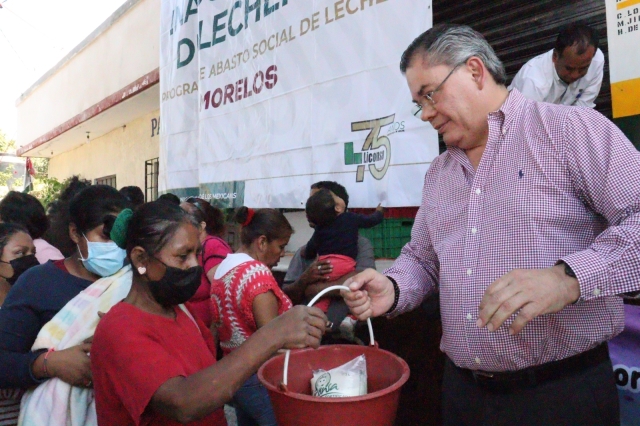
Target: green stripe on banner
(348,153)
(223,195)
(183,193)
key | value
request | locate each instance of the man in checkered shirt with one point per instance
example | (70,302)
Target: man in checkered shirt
(529,228)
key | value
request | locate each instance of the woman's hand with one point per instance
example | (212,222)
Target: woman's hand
(71,365)
(300,327)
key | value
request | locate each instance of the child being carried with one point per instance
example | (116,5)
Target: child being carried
(335,236)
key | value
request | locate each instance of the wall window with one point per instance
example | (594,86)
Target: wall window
(107,180)
(151,168)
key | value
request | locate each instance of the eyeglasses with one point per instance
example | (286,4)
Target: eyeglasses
(417,108)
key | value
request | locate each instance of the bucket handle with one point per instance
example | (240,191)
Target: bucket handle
(313,301)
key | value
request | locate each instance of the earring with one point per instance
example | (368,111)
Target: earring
(142,270)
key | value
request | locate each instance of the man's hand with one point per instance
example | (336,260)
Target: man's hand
(371,294)
(317,272)
(534,292)
(380,208)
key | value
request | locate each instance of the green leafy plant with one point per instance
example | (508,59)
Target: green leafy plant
(47,189)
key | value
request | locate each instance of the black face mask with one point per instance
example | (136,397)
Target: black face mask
(176,286)
(20,265)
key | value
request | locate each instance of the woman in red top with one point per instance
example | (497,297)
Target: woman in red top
(246,297)
(214,250)
(152,362)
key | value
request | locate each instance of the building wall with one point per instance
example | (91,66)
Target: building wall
(123,49)
(302,230)
(121,152)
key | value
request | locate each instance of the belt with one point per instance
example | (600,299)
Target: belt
(538,374)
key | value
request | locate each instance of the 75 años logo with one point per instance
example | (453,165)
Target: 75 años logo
(376,151)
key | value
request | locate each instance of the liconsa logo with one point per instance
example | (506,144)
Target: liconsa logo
(376,150)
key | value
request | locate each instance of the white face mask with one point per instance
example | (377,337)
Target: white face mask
(103,259)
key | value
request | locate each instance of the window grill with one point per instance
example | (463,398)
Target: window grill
(107,180)
(151,168)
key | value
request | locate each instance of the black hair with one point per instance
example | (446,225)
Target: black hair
(134,195)
(212,216)
(154,224)
(321,208)
(58,213)
(8,230)
(580,35)
(94,206)
(268,222)
(170,198)
(339,190)
(26,210)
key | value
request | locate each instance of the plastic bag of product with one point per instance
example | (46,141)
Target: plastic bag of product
(349,379)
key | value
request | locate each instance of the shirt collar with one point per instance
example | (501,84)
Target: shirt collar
(505,114)
(514,102)
(556,77)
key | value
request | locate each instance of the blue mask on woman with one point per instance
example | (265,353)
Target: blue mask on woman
(103,259)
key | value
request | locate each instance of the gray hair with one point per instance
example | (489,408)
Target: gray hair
(448,44)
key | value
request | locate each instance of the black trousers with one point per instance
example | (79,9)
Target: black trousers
(583,398)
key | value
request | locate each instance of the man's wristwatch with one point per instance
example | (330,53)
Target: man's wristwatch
(568,271)
(396,296)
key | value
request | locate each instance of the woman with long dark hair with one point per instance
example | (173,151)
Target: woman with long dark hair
(246,298)
(43,290)
(214,250)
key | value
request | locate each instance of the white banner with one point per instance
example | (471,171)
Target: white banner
(623,39)
(262,98)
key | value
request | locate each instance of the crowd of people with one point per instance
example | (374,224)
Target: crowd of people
(152,359)
(151,311)
(114,311)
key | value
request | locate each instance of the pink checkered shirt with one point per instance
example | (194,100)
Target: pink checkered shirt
(554,182)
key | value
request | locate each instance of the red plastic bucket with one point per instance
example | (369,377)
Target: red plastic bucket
(386,373)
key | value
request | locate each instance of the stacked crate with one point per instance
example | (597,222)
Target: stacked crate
(392,234)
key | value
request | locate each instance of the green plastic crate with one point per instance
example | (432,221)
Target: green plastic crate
(389,237)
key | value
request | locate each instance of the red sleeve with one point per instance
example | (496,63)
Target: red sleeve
(261,281)
(135,363)
(214,301)
(214,250)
